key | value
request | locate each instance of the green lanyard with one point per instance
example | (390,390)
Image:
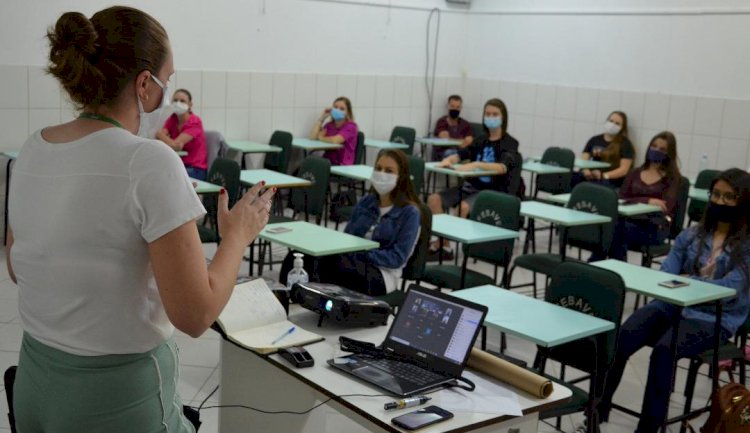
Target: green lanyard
(94,116)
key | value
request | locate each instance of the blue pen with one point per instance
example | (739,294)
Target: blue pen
(280,337)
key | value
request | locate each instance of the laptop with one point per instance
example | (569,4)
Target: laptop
(427,344)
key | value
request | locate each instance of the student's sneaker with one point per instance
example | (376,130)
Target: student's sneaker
(434,255)
(582,427)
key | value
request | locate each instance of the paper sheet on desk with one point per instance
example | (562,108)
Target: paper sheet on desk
(488,397)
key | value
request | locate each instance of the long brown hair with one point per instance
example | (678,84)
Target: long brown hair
(404,193)
(94,60)
(612,153)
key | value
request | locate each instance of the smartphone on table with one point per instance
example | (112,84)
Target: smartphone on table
(277,230)
(673,284)
(422,418)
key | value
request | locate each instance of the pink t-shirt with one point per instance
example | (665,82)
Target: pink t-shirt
(345,155)
(196,148)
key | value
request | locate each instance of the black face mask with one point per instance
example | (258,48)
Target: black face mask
(454,113)
(722,213)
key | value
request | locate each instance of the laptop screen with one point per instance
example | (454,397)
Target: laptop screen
(436,326)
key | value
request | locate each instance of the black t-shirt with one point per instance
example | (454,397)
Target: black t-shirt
(597,144)
(504,151)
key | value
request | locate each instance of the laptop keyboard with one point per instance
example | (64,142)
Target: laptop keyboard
(403,370)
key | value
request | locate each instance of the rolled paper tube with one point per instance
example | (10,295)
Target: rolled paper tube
(512,374)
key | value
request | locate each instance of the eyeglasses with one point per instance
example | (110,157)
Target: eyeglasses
(728,197)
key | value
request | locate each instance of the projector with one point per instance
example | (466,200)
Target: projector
(341,304)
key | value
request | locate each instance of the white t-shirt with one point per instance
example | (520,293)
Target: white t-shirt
(82,215)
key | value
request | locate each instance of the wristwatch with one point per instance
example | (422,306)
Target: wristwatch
(605,176)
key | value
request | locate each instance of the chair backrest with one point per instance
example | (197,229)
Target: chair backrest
(556,183)
(590,290)
(279,161)
(359,152)
(500,210)
(516,185)
(416,169)
(478,130)
(216,146)
(311,200)
(406,135)
(703,181)
(224,172)
(414,268)
(680,208)
(597,199)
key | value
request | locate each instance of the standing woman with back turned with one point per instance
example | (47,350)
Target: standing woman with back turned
(103,242)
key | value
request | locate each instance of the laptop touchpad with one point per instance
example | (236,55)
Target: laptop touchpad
(377,376)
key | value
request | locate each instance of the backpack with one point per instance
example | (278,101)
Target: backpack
(730,411)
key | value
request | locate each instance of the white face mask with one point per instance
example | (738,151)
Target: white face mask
(611,128)
(383,182)
(151,122)
(180,108)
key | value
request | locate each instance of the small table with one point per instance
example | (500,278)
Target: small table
(698,194)
(436,142)
(382,144)
(537,168)
(433,167)
(245,147)
(558,215)
(203,187)
(580,163)
(467,231)
(626,210)
(272,178)
(359,172)
(645,281)
(315,240)
(181,153)
(11,156)
(308,145)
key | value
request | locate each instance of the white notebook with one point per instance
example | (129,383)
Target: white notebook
(255,319)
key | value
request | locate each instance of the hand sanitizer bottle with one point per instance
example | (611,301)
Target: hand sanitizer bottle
(298,273)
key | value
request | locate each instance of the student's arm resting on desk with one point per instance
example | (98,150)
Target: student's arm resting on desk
(364,215)
(176,144)
(619,172)
(397,254)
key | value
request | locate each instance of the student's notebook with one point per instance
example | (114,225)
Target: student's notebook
(254,319)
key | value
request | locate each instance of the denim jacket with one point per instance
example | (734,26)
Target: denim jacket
(396,231)
(680,261)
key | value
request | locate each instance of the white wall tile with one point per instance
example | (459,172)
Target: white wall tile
(708,114)
(15,126)
(43,117)
(489,89)
(521,126)
(440,94)
(237,124)
(562,133)
(304,120)
(283,119)
(473,114)
(472,93)
(526,98)
(633,104)
(641,138)
(402,117)
(214,119)
(365,96)
(261,90)
(681,114)
(382,124)
(214,89)
(656,111)
(238,90)
(14,87)
(545,100)
(192,81)
(542,135)
(346,85)
(364,118)
(684,151)
(283,91)
(586,100)
(565,103)
(44,91)
(305,86)
(384,91)
(261,124)
(607,102)
(453,86)
(582,132)
(508,93)
(418,93)
(325,90)
(732,153)
(707,145)
(736,119)
(402,92)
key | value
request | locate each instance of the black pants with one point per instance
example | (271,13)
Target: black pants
(352,270)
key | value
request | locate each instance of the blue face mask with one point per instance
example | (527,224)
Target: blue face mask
(337,114)
(493,122)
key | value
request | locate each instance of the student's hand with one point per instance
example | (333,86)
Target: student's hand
(326,113)
(444,134)
(321,135)
(446,162)
(469,166)
(596,174)
(661,203)
(247,217)
(587,174)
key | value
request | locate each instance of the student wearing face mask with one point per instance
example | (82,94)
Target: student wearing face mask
(498,152)
(717,251)
(388,214)
(612,146)
(341,129)
(656,182)
(183,130)
(452,125)
(115,212)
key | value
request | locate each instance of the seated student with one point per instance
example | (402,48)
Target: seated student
(388,214)
(452,126)
(183,130)
(656,182)
(340,130)
(614,147)
(498,152)
(717,251)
